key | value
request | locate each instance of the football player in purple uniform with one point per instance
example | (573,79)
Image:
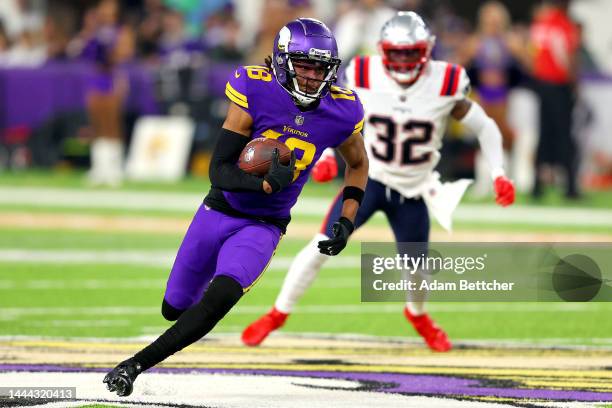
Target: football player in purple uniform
(234,233)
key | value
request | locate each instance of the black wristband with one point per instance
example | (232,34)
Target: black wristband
(347,223)
(352,192)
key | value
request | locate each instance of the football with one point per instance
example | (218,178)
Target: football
(257,155)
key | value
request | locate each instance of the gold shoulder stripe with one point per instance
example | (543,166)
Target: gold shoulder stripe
(341,93)
(342,96)
(339,89)
(359,125)
(237,101)
(229,92)
(231,89)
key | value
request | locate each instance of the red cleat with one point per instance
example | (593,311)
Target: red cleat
(434,336)
(257,331)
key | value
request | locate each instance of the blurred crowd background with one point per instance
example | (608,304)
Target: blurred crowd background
(72,72)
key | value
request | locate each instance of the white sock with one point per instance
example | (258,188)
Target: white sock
(416,300)
(106,162)
(114,165)
(302,273)
(416,308)
(97,154)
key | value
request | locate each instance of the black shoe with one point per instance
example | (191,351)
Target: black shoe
(121,378)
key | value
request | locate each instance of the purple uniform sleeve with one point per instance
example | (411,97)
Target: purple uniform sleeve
(236,88)
(352,107)
(359,116)
(351,84)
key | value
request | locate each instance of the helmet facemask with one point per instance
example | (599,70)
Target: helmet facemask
(405,62)
(405,46)
(308,77)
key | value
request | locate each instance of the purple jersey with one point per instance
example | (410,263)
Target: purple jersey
(492,63)
(99,48)
(275,116)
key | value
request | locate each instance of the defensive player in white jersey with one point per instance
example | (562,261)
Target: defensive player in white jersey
(408,100)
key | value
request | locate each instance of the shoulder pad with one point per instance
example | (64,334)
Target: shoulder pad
(239,81)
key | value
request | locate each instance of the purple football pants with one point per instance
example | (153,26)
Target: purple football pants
(218,244)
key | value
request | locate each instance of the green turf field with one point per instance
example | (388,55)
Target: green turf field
(90,282)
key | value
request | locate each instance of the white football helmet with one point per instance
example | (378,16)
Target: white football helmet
(405,46)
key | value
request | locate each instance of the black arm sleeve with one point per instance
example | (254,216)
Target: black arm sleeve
(223,171)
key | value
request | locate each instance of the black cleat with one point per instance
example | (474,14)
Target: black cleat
(121,378)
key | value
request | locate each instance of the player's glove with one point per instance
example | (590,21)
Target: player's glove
(280,176)
(343,228)
(325,170)
(504,191)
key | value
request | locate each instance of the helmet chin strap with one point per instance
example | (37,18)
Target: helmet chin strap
(303,98)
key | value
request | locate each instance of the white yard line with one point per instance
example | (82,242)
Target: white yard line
(79,323)
(172,201)
(123,283)
(159,258)
(84,284)
(80,198)
(12,313)
(129,257)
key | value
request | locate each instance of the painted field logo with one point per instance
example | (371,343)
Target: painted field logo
(369,372)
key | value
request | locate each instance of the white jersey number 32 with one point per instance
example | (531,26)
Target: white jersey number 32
(389,145)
